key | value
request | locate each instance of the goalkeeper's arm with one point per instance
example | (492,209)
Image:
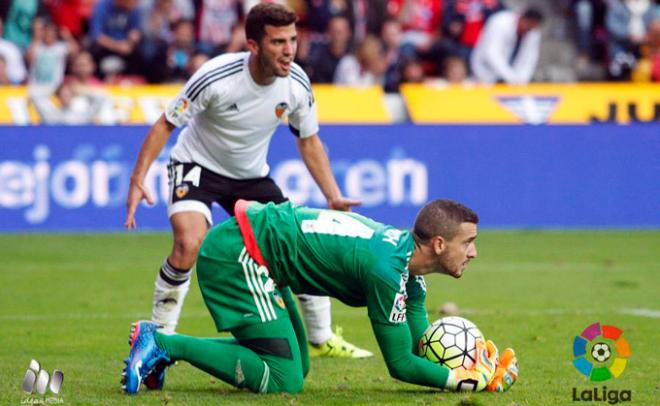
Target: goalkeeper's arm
(395,343)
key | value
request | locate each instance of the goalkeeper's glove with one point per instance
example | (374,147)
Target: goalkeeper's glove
(506,373)
(477,378)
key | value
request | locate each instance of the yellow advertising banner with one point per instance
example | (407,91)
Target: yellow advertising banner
(533,104)
(144,104)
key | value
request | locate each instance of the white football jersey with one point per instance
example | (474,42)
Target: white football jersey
(231,119)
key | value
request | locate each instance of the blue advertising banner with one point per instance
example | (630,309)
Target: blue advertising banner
(76,178)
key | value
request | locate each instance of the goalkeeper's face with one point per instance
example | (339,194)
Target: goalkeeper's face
(453,255)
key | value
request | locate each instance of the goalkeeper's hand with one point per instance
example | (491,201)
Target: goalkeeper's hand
(475,379)
(506,373)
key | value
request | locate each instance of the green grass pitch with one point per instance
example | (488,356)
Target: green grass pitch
(68,300)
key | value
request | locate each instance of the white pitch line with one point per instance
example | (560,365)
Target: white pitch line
(654,314)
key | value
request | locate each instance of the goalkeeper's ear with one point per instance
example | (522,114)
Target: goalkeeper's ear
(439,244)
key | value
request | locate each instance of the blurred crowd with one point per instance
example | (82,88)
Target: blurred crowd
(70,47)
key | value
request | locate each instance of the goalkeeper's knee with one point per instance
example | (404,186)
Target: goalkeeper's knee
(287,380)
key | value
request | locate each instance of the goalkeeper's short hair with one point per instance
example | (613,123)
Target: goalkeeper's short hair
(442,217)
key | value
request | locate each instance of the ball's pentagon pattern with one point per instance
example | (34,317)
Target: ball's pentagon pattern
(450,341)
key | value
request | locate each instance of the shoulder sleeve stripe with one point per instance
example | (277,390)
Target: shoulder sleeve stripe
(301,73)
(192,88)
(302,83)
(302,76)
(214,78)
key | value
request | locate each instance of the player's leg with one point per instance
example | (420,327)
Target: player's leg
(190,216)
(173,280)
(264,357)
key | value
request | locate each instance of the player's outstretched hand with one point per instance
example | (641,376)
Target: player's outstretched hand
(343,203)
(475,379)
(136,192)
(506,373)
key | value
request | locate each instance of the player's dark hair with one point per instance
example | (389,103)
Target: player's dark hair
(264,14)
(442,217)
(534,14)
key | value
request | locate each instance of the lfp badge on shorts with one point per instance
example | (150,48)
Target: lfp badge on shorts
(600,352)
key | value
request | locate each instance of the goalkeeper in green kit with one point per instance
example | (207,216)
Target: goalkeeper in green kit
(249,264)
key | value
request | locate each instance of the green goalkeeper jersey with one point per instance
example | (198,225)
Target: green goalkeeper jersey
(339,254)
(354,259)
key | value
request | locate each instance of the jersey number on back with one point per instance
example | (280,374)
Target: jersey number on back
(335,223)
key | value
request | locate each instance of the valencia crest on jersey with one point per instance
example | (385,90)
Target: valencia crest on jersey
(281,110)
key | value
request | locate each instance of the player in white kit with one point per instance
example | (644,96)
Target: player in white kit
(232,106)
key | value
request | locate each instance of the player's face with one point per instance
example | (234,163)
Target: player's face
(455,254)
(276,50)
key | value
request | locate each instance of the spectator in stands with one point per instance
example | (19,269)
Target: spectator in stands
(155,19)
(13,61)
(18,25)
(220,28)
(365,16)
(47,54)
(463,21)
(390,36)
(4,78)
(176,9)
(455,70)
(508,48)
(324,56)
(412,71)
(472,14)
(82,70)
(321,12)
(589,20)
(654,48)
(156,36)
(72,15)
(365,68)
(628,22)
(115,34)
(180,51)
(421,22)
(70,108)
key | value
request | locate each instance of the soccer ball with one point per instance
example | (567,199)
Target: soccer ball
(451,341)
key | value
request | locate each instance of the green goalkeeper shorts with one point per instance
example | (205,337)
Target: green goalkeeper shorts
(237,291)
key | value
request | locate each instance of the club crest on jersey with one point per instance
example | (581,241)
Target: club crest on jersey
(398,313)
(181,190)
(280,109)
(278,299)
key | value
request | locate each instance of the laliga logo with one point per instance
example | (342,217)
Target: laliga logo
(601,353)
